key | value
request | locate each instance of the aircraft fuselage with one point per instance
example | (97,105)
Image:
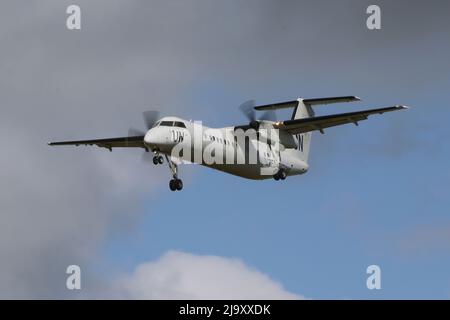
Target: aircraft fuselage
(200,140)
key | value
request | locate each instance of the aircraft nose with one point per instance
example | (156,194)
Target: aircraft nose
(151,138)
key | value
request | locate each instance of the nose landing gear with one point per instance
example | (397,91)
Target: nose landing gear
(158,159)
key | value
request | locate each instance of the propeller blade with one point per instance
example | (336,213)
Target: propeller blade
(247,110)
(150,118)
(133,132)
(269,115)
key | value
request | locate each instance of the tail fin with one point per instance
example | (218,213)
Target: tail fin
(301,111)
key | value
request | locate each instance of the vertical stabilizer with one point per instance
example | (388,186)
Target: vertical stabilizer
(301,111)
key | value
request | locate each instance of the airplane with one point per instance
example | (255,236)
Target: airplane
(282,153)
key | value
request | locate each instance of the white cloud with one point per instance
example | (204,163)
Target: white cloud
(180,275)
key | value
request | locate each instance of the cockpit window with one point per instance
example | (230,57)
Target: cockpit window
(166,124)
(156,124)
(179,124)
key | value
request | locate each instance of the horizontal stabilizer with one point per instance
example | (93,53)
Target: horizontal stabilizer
(319,101)
(311,102)
(281,105)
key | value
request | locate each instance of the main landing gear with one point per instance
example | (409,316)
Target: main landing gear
(175,184)
(280,175)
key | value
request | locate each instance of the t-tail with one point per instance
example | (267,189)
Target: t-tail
(302,111)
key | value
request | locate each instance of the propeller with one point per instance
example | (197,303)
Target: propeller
(133,132)
(150,118)
(248,109)
(269,115)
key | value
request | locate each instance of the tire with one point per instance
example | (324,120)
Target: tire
(155,160)
(276,176)
(179,185)
(160,160)
(172,185)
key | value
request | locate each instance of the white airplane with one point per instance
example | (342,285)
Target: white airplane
(284,152)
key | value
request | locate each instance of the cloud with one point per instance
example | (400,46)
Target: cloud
(180,275)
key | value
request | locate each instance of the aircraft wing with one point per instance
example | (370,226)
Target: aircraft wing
(298,126)
(122,142)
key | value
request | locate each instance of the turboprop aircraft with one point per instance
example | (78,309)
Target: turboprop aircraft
(262,149)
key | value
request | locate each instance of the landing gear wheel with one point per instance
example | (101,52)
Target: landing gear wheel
(172,185)
(176,184)
(280,175)
(179,184)
(158,159)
